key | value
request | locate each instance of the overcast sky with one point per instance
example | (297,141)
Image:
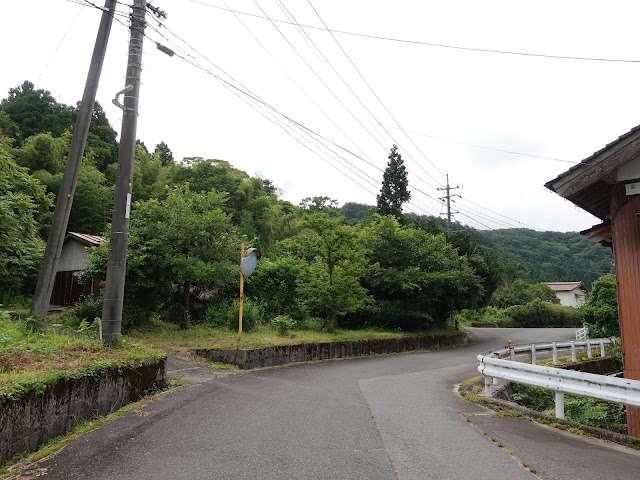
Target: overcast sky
(440,105)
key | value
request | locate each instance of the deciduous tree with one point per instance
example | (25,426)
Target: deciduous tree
(25,212)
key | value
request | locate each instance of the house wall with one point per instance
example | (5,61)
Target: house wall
(572,298)
(73,256)
(625,227)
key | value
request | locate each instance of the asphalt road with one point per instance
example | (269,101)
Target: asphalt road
(366,418)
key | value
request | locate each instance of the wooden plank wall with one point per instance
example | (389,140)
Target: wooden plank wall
(625,226)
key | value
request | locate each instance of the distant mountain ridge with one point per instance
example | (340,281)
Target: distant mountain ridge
(548,256)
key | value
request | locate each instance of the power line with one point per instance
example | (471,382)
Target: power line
(491,148)
(262,104)
(431,44)
(273,111)
(509,218)
(320,79)
(377,97)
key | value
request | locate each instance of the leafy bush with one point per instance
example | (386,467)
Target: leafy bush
(587,411)
(88,308)
(542,314)
(226,314)
(274,284)
(469,316)
(391,314)
(520,292)
(600,310)
(282,324)
(13,300)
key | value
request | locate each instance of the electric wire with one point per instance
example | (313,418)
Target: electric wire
(236,90)
(485,216)
(246,88)
(377,140)
(432,44)
(376,95)
(509,218)
(490,148)
(59,43)
(286,11)
(254,98)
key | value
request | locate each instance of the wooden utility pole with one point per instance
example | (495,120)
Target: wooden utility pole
(51,259)
(111,322)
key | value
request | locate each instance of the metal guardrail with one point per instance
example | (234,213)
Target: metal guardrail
(582,333)
(494,366)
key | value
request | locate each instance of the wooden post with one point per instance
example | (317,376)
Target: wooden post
(625,228)
(241,292)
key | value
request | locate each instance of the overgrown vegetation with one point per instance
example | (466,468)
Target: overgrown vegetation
(587,411)
(354,266)
(30,359)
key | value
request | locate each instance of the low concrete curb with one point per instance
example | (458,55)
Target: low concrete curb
(248,358)
(36,417)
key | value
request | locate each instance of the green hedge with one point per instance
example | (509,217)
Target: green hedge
(544,314)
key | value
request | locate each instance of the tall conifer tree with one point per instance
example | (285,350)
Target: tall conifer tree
(395,186)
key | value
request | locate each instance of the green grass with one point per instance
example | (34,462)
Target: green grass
(170,339)
(29,359)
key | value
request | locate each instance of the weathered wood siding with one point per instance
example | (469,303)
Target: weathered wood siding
(626,250)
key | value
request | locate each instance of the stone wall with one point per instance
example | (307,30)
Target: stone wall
(248,358)
(35,418)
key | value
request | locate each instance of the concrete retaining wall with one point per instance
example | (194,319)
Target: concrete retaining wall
(248,358)
(35,418)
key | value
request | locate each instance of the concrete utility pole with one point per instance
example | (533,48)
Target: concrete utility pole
(117,263)
(49,266)
(448,197)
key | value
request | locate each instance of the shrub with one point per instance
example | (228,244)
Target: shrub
(274,283)
(282,324)
(226,314)
(469,316)
(519,292)
(542,314)
(600,310)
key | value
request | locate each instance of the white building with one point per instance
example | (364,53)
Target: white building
(569,293)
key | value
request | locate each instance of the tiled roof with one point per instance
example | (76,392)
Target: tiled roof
(86,239)
(595,154)
(565,286)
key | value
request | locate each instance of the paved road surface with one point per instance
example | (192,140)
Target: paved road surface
(391,417)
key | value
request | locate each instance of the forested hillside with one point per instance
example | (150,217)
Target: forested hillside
(548,256)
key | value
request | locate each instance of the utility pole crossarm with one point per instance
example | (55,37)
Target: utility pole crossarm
(448,196)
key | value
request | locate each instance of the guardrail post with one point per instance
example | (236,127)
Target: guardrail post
(573,352)
(512,354)
(560,405)
(487,387)
(555,353)
(602,348)
(533,354)
(588,348)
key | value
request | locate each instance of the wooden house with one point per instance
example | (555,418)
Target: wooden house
(66,289)
(607,185)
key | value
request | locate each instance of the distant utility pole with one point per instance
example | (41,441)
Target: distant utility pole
(448,197)
(117,263)
(49,266)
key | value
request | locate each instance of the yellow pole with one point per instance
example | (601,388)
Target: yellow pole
(241,292)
